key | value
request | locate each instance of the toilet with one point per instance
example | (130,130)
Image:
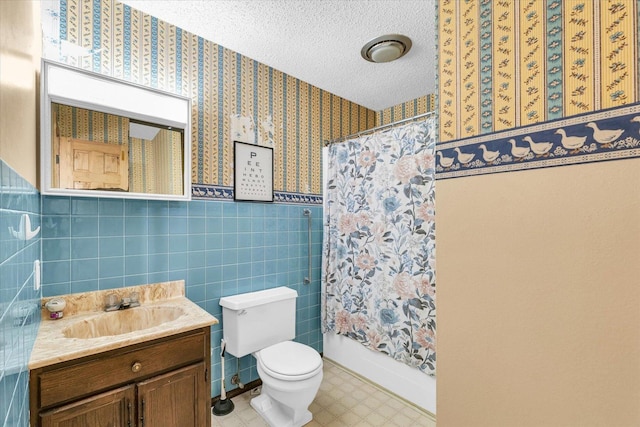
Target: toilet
(263,323)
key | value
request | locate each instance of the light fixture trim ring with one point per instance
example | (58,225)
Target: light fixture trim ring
(403,41)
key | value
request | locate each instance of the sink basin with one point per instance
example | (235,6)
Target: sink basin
(121,322)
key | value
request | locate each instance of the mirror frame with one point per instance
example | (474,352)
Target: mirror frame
(75,87)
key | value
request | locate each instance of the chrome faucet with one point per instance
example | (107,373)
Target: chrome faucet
(112,303)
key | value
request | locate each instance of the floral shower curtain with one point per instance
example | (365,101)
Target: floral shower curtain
(379,243)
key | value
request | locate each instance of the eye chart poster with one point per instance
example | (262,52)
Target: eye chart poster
(253,172)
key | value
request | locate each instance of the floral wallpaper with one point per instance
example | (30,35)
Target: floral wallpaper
(506,64)
(536,83)
(406,110)
(227,89)
(379,243)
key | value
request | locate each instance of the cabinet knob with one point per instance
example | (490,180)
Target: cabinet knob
(136,367)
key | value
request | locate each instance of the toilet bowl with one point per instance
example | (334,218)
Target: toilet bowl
(263,324)
(291,374)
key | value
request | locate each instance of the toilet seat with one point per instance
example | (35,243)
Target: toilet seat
(290,361)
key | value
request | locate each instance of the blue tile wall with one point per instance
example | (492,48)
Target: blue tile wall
(219,248)
(19,313)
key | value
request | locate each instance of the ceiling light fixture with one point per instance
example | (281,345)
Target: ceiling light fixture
(386,48)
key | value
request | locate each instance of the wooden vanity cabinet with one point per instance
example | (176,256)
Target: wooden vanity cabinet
(160,383)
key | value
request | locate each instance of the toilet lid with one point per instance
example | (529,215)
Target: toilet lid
(290,359)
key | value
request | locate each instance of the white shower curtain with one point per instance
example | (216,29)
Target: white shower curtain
(379,243)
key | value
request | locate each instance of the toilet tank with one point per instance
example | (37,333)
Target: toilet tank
(256,320)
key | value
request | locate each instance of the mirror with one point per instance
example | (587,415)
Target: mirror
(100,151)
(112,139)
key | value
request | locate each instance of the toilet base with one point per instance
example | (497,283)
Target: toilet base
(275,415)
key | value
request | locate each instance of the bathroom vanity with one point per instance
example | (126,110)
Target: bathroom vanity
(156,376)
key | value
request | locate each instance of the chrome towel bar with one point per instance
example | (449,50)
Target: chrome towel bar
(307,213)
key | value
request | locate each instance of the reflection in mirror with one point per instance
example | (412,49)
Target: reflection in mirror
(104,137)
(92,150)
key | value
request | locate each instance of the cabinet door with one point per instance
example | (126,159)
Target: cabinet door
(179,398)
(111,409)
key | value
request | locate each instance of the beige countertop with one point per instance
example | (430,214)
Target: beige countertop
(52,346)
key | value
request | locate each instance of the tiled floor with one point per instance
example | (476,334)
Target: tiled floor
(343,400)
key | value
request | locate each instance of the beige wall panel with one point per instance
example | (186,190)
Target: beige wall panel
(538,297)
(20,51)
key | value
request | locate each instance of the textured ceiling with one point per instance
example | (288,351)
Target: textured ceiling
(319,41)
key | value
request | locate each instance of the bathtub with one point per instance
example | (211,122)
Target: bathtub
(396,377)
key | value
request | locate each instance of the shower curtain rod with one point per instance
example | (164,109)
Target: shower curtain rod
(377,128)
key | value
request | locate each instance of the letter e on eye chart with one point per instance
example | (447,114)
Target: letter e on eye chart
(253,180)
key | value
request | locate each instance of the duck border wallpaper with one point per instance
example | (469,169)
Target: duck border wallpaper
(219,192)
(604,135)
